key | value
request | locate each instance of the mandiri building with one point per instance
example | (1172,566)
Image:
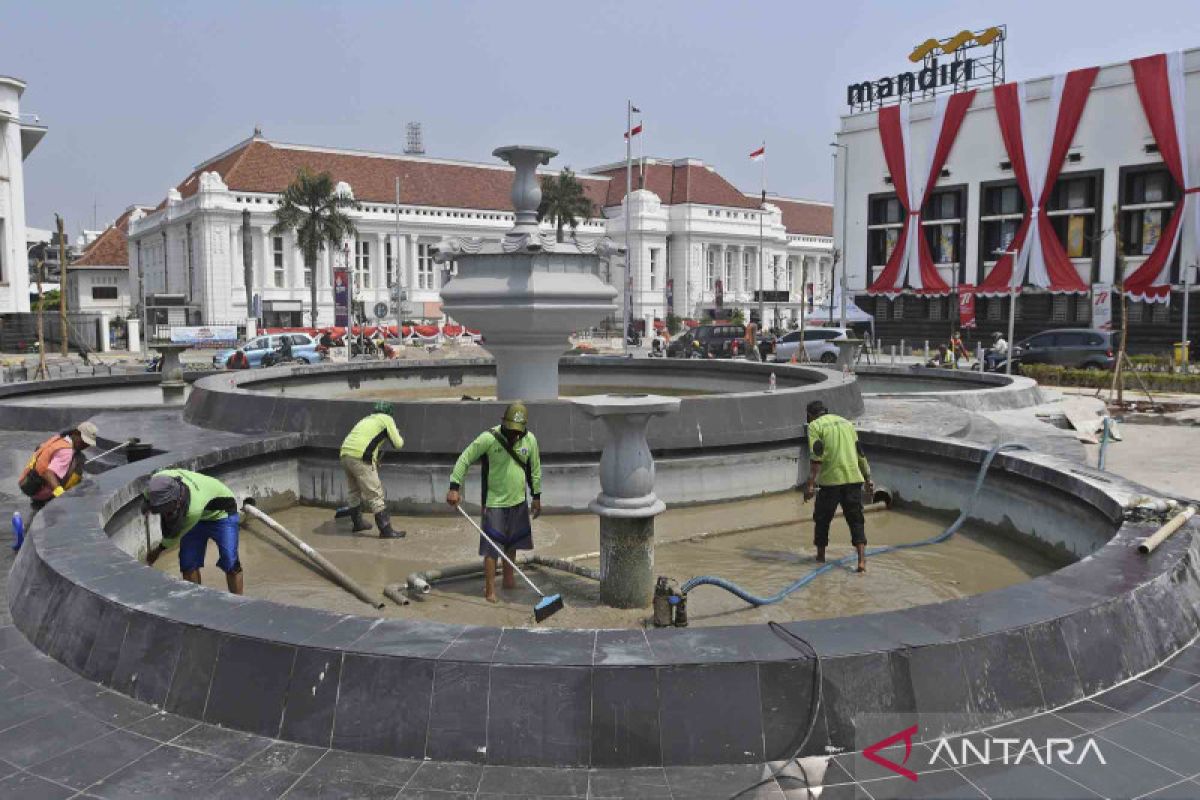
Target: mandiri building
(954,184)
(694,237)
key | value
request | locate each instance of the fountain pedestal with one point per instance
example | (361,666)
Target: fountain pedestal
(627,504)
(527,293)
(172,384)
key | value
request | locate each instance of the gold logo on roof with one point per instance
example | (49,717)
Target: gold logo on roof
(933,46)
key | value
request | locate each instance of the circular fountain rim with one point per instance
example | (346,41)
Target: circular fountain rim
(1152,605)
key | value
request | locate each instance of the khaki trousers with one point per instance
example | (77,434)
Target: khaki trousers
(365,488)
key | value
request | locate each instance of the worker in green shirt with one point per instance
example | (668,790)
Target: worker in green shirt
(511,462)
(360,461)
(195,508)
(839,468)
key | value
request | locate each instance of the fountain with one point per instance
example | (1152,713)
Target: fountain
(528,292)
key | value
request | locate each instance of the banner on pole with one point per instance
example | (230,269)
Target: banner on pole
(670,295)
(341,297)
(719,294)
(1102,306)
(966,305)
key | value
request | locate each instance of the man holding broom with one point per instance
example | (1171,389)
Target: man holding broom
(511,462)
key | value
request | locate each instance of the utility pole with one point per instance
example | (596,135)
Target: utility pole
(762,210)
(843,157)
(628,289)
(41,319)
(62,286)
(1118,377)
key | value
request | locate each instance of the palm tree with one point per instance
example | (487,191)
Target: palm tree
(564,202)
(313,208)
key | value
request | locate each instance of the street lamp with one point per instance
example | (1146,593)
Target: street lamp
(1012,307)
(844,159)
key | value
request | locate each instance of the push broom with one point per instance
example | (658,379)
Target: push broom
(549,604)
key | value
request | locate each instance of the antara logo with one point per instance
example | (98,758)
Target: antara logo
(965,752)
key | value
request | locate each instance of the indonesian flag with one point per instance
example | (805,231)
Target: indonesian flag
(758,154)
(636,130)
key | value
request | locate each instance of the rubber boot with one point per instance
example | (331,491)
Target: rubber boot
(384,523)
(357,522)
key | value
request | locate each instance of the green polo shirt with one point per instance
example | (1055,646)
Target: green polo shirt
(833,442)
(367,437)
(208,500)
(503,478)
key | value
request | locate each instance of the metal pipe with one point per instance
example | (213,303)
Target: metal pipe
(393,592)
(348,583)
(1103,441)
(1159,536)
(125,443)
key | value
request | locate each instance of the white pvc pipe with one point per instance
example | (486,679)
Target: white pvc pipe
(1159,536)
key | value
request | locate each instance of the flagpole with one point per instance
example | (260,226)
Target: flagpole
(628,253)
(762,210)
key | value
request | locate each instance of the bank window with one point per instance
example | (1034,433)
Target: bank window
(790,274)
(747,270)
(425,271)
(389,261)
(277,260)
(104,293)
(885,220)
(1147,200)
(727,276)
(1072,212)
(362,265)
(942,224)
(1003,209)
(308,275)
(654,267)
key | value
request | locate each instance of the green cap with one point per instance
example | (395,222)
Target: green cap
(516,417)
(384,407)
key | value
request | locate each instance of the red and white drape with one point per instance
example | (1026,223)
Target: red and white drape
(1041,260)
(911,263)
(1159,81)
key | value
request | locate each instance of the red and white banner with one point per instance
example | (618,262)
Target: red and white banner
(1102,306)
(966,306)
(911,263)
(634,131)
(1041,259)
(1159,81)
(759,153)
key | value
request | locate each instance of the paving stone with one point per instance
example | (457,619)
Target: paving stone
(1173,680)
(105,705)
(90,762)
(1123,775)
(1133,697)
(249,781)
(162,727)
(943,785)
(30,787)
(727,779)
(1155,744)
(48,736)
(433,794)
(164,774)
(233,745)
(1026,781)
(1181,716)
(446,777)
(1184,790)
(633,782)
(313,788)
(337,765)
(534,781)
(28,706)
(286,756)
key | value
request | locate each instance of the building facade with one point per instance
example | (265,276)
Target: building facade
(186,254)
(1044,188)
(17,140)
(98,281)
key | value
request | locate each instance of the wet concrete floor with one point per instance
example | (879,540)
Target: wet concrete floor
(762,560)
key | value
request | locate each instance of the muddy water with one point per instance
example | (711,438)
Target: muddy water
(762,561)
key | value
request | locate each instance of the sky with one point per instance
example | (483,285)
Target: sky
(135,94)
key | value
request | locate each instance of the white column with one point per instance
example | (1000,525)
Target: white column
(105,345)
(379,267)
(267,278)
(133,332)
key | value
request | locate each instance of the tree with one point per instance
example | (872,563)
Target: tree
(564,202)
(313,208)
(738,317)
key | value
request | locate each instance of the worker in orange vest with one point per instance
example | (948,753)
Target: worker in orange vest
(56,466)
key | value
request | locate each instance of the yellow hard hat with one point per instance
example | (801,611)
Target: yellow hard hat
(516,417)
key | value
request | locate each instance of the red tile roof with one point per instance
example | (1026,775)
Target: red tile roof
(261,166)
(679,183)
(800,216)
(110,248)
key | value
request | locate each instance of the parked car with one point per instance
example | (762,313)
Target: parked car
(818,344)
(716,340)
(304,348)
(1067,347)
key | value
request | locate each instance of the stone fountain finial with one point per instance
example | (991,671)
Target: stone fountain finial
(526,189)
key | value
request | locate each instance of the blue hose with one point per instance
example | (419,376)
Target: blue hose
(755,600)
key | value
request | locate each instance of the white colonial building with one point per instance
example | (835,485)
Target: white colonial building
(17,140)
(98,281)
(687,225)
(1054,185)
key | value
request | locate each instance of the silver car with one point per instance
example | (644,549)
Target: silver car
(818,344)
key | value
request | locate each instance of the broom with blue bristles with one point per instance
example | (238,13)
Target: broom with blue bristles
(549,604)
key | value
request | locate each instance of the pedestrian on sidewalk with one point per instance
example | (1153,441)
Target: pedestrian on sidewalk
(840,470)
(360,461)
(56,466)
(194,509)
